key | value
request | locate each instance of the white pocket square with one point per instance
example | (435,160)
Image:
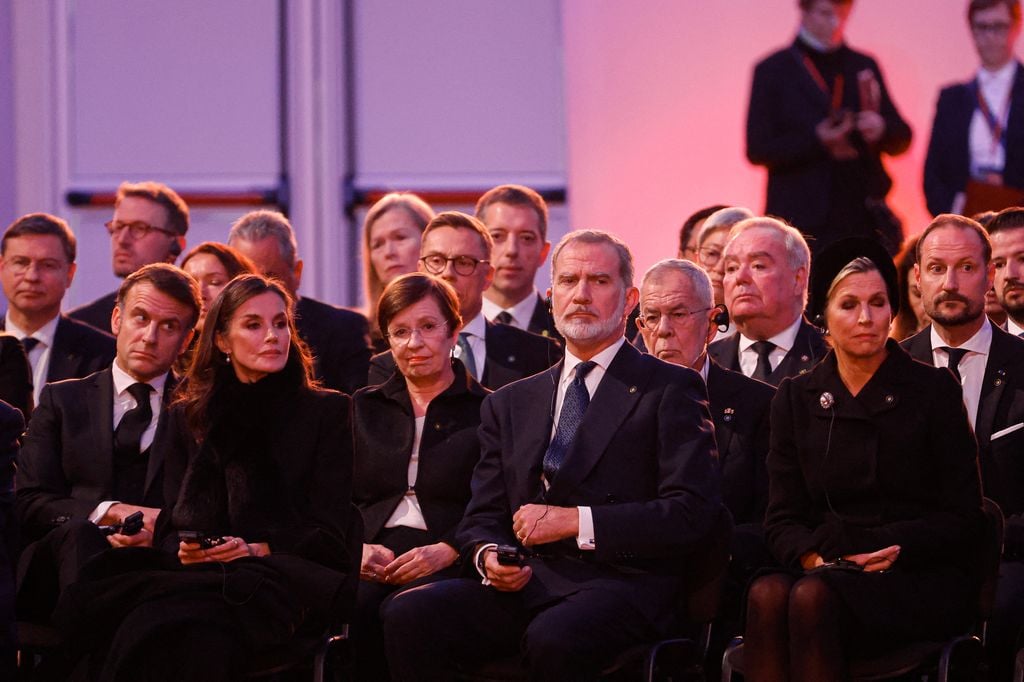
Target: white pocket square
(1008,430)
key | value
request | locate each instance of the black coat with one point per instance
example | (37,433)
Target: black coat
(97,313)
(1001,407)
(808,348)
(948,164)
(15,375)
(740,408)
(78,350)
(897,464)
(383,429)
(786,104)
(339,340)
(512,354)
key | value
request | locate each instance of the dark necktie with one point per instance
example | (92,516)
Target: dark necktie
(573,407)
(467,353)
(504,317)
(764,365)
(29,342)
(955,356)
(128,434)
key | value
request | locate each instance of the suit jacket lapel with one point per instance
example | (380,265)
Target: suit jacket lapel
(800,358)
(920,346)
(100,401)
(156,451)
(727,352)
(993,384)
(616,396)
(62,355)
(1015,120)
(717,395)
(532,420)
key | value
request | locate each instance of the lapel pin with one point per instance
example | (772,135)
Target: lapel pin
(804,358)
(727,414)
(632,389)
(511,358)
(889,399)
(826,400)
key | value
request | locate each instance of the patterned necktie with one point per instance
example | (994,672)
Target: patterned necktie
(466,353)
(955,356)
(764,364)
(573,407)
(128,434)
(504,317)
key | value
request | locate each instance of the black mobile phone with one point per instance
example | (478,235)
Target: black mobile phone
(131,525)
(198,537)
(511,555)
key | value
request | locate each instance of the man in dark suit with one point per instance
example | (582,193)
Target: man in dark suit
(766,268)
(819,118)
(11,427)
(338,338)
(149,226)
(94,452)
(517,218)
(457,248)
(978,130)
(608,494)
(1006,230)
(37,265)
(954,271)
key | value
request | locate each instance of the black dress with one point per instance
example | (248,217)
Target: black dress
(895,465)
(275,467)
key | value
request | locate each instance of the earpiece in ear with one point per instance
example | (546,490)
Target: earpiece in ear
(721,318)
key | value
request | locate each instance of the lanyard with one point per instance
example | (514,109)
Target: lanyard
(836,94)
(995,124)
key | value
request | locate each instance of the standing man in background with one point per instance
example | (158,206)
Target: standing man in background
(977,143)
(820,117)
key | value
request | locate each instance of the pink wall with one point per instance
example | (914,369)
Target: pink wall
(656,99)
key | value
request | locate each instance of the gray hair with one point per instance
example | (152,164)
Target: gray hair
(698,279)
(598,237)
(721,219)
(258,225)
(798,254)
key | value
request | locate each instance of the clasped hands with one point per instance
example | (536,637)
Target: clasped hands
(533,524)
(871,562)
(834,132)
(381,565)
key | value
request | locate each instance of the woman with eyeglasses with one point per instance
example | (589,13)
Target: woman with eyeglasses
(415,449)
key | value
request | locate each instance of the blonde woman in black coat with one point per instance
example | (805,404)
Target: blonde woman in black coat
(874,500)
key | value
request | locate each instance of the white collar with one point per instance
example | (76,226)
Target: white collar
(476,327)
(1004,73)
(979,343)
(521,312)
(45,333)
(122,380)
(1013,327)
(602,359)
(784,340)
(816,44)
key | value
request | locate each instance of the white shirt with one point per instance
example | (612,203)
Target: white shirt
(123,401)
(521,312)
(783,343)
(1013,327)
(972,366)
(988,156)
(408,512)
(475,331)
(39,357)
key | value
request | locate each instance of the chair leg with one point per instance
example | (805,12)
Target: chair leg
(966,642)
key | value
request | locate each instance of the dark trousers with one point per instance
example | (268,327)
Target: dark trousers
(433,630)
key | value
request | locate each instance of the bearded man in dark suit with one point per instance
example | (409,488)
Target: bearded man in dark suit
(603,468)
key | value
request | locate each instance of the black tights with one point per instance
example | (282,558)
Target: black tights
(794,630)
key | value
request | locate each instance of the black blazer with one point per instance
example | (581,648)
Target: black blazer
(339,340)
(897,464)
(644,460)
(511,355)
(15,375)
(947,167)
(1001,407)
(786,104)
(65,467)
(97,314)
(542,321)
(383,430)
(808,348)
(78,350)
(740,409)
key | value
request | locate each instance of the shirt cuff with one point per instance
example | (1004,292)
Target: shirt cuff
(478,560)
(101,510)
(585,538)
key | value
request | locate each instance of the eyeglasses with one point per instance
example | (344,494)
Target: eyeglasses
(19,265)
(428,330)
(435,263)
(709,255)
(998,29)
(137,229)
(676,318)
